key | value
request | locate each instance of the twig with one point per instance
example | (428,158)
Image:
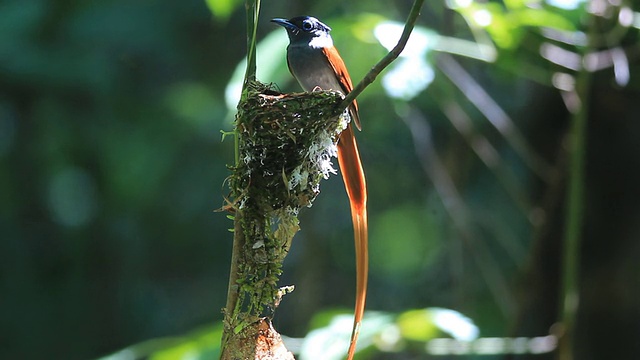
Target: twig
(252,12)
(388,59)
(234,289)
(574,210)
(574,214)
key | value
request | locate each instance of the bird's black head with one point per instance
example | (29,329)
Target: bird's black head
(303,27)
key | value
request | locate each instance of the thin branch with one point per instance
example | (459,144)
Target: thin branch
(252,12)
(574,211)
(233,288)
(574,220)
(388,59)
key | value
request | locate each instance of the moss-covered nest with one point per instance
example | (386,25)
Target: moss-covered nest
(286,142)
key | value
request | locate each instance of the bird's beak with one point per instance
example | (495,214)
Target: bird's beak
(285,23)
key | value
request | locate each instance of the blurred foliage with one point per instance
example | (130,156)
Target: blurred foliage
(328,339)
(111,165)
(199,344)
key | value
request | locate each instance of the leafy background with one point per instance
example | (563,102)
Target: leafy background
(112,164)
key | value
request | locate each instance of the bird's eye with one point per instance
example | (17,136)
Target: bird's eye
(307,25)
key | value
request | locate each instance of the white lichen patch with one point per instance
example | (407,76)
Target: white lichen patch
(318,158)
(298,177)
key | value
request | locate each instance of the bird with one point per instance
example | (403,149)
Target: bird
(315,63)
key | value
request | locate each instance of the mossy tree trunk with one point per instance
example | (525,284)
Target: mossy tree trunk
(285,145)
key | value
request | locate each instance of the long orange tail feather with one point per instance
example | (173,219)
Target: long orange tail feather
(354,181)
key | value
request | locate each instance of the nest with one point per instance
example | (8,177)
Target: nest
(286,142)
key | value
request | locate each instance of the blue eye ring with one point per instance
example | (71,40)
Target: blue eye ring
(307,25)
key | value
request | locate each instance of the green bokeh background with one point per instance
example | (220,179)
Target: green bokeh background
(112,164)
